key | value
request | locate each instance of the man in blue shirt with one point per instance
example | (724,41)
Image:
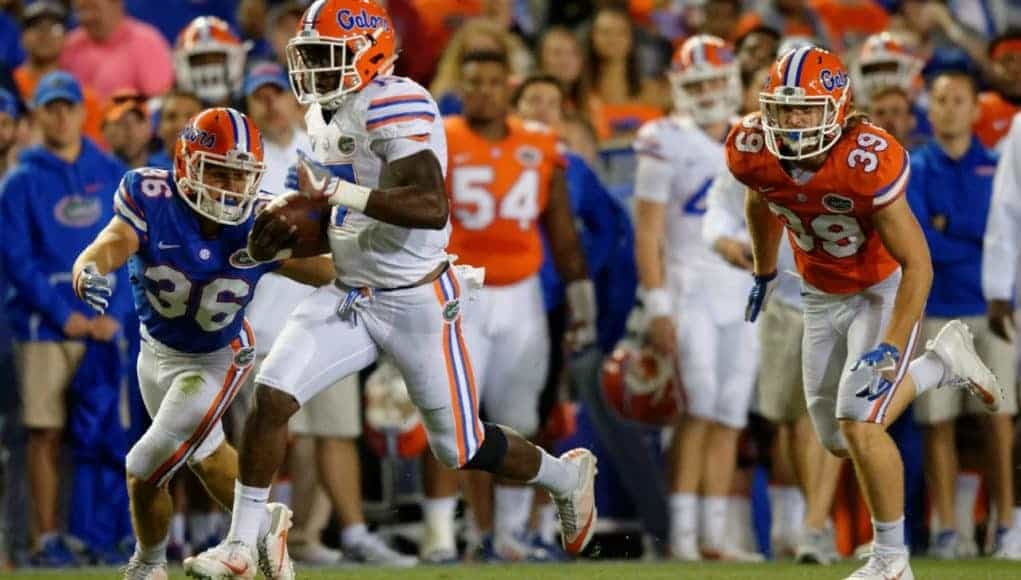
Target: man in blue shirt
(950,191)
(52,203)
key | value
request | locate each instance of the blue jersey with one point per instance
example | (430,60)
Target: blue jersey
(190,291)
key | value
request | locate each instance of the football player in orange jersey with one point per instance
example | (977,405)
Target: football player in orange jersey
(506,182)
(836,183)
(998,106)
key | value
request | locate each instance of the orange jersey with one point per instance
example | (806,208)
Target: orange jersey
(498,191)
(829,216)
(994,118)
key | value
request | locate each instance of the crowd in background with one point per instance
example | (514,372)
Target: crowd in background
(91,88)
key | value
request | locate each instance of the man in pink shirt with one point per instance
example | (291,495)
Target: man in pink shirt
(111,51)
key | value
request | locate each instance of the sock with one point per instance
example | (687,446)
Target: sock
(438,512)
(738,532)
(555,475)
(714,521)
(177,529)
(353,535)
(965,495)
(249,518)
(889,536)
(779,513)
(683,516)
(154,554)
(927,372)
(796,508)
(511,507)
(548,523)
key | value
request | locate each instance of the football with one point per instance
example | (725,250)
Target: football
(290,226)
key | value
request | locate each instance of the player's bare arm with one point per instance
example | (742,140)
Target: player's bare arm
(411,193)
(108,252)
(903,238)
(563,237)
(765,229)
(314,271)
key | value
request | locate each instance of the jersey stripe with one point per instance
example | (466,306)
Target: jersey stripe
(126,207)
(398,100)
(398,118)
(890,192)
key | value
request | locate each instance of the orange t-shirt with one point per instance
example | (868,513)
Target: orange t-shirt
(499,189)
(829,217)
(850,23)
(93,128)
(993,122)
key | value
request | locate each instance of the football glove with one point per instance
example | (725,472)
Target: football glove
(880,361)
(759,295)
(94,288)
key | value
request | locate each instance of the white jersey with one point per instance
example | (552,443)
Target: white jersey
(677,164)
(725,218)
(1001,252)
(392,118)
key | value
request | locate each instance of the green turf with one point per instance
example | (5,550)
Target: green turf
(924,570)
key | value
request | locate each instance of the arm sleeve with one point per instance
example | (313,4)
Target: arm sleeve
(724,216)
(16,250)
(1002,240)
(892,176)
(944,249)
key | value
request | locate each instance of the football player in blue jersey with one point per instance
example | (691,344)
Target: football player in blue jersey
(184,234)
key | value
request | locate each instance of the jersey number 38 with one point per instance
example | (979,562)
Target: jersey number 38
(840,235)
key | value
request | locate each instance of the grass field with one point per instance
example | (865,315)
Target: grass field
(923,569)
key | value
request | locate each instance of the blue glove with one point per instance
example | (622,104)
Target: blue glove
(879,360)
(757,298)
(94,288)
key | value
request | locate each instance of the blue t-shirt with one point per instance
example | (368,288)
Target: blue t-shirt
(190,292)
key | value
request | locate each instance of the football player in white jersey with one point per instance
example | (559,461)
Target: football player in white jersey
(691,295)
(380,163)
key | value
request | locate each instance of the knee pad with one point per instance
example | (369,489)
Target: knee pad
(491,453)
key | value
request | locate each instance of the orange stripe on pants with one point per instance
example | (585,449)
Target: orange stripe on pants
(455,399)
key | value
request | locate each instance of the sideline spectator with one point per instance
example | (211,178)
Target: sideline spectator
(792,18)
(8,130)
(890,108)
(171,16)
(52,204)
(43,35)
(1000,104)
(111,51)
(950,191)
(178,107)
(11,53)
(756,50)
(127,129)
(559,55)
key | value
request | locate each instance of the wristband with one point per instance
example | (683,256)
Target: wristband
(656,302)
(350,195)
(581,300)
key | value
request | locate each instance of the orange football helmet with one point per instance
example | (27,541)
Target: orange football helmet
(642,385)
(218,165)
(209,59)
(705,80)
(393,426)
(804,103)
(885,61)
(341,45)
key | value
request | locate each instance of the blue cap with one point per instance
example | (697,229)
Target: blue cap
(266,73)
(8,103)
(57,85)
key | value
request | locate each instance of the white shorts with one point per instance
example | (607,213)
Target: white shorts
(839,329)
(719,353)
(944,404)
(781,396)
(186,395)
(419,327)
(510,344)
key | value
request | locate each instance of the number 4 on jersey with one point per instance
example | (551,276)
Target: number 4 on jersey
(475,204)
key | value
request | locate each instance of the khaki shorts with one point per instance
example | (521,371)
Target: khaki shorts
(45,370)
(947,403)
(781,396)
(335,412)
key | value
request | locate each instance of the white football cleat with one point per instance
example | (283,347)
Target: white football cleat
(1010,545)
(231,560)
(313,554)
(955,346)
(885,566)
(438,546)
(577,509)
(684,547)
(815,547)
(274,561)
(139,570)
